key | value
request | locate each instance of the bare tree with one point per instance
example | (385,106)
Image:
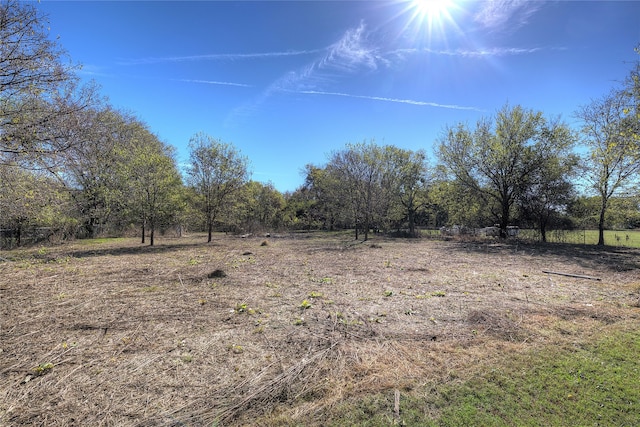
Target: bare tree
(37,88)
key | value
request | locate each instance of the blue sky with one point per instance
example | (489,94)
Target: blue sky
(288,82)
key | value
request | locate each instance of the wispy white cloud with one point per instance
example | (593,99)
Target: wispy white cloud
(353,51)
(475,53)
(494,51)
(396,100)
(220,57)
(350,54)
(213,82)
(506,15)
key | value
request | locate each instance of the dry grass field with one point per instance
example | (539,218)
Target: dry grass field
(283,330)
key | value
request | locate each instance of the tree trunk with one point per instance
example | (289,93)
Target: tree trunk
(143,231)
(543,233)
(603,209)
(151,233)
(504,221)
(412,222)
(210,230)
(366,228)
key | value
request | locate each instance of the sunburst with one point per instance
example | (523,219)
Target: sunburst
(431,18)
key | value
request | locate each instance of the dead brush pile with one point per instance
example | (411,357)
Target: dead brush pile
(240,333)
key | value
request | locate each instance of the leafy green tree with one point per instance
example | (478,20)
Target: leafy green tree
(153,181)
(87,168)
(367,186)
(258,207)
(357,167)
(453,203)
(498,158)
(407,177)
(323,189)
(31,199)
(549,189)
(613,161)
(622,212)
(299,209)
(217,172)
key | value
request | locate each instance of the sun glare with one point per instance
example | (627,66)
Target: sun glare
(431,10)
(431,17)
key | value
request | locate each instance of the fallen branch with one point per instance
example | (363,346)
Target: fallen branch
(579,276)
(396,407)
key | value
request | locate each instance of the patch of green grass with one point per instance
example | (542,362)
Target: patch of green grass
(598,384)
(626,238)
(99,241)
(592,385)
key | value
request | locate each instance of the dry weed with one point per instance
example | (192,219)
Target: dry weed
(189,333)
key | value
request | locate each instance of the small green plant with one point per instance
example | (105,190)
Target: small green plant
(323,280)
(305,304)
(236,349)
(186,357)
(388,293)
(315,294)
(438,294)
(43,368)
(193,261)
(299,321)
(240,308)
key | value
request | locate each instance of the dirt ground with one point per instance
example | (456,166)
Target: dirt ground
(280,330)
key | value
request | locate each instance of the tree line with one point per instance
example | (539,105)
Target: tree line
(75,166)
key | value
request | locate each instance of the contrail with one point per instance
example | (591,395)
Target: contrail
(212,82)
(221,57)
(397,100)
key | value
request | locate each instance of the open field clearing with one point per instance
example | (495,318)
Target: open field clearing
(315,329)
(618,238)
